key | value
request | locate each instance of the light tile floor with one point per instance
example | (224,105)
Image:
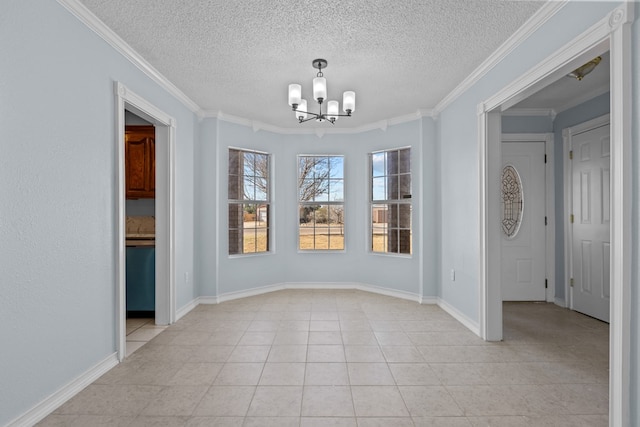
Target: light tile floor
(140,332)
(311,358)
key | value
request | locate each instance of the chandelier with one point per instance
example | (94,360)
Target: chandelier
(299,105)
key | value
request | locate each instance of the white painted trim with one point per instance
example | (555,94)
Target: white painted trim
(185,309)
(92,22)
(546,12)
(550,229)
(319,132)
(64,393)
(490,286)
(566,217)
(230,296)
(530,112)
(459,316)
(621,212)
(612,32)
(165,210)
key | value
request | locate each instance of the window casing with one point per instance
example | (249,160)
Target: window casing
(249,201)
(320,202)
(390,186)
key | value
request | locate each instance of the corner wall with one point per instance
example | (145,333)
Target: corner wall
(414,276)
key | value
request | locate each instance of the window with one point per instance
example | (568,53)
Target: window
(391,201)
(321,202)
(248,202)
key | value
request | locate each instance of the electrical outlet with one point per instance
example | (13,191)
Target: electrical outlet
(453,275)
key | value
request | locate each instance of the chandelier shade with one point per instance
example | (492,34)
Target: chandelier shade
(299,104)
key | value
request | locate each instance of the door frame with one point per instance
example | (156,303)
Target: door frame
(550,203)
(613,33)
(165,304)
(567,134)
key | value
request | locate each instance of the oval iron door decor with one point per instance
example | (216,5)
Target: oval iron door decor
(512,201)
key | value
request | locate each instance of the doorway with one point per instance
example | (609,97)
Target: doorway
(612,33)
(164,210)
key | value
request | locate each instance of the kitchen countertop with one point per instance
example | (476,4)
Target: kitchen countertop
(140,242)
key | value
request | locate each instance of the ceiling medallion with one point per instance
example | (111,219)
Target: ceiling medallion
(585,69)
(299,105)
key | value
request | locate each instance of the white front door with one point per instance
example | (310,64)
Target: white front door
(591,176)
(523,245)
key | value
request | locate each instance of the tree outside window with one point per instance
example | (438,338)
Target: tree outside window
(321,202)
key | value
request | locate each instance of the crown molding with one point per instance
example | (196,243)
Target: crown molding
(81,12)
(548,10)
(530,112)
(318,131)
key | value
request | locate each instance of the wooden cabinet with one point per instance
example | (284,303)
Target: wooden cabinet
(140,162)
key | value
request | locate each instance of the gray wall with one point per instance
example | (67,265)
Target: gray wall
(415,275)
(57,215)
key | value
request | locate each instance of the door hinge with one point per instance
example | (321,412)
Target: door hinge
(546,283)
(545,221)
(571,155)
(571,282)
(571,218)
(545,158)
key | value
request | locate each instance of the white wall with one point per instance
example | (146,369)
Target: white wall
(285,264)
(57,198)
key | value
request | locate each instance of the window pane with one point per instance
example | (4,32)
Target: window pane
(321,167)
(392,162)
(392,187)
(405,186)
(379,189)
(404,216)
(261,189)
(377,164)
(337,167)
(405,161)
(336,191)
(262,166)
(234,187)
(249,189)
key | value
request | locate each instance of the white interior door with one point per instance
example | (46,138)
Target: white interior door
(523,244)
(591,177)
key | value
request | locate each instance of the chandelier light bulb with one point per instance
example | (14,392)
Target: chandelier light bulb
(349,101)
(319,89)
(295,94)
(301,114)
(333,109)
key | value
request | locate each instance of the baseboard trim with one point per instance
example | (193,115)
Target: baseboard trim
(315,285)
(66,392)
(456,314)
(185,309)
(561,302)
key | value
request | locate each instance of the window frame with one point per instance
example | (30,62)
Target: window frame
(328,203)
(268,202)
(388,202)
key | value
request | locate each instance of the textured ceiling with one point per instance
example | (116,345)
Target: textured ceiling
(238,57)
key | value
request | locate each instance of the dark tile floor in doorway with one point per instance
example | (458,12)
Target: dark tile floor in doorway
(349,358)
